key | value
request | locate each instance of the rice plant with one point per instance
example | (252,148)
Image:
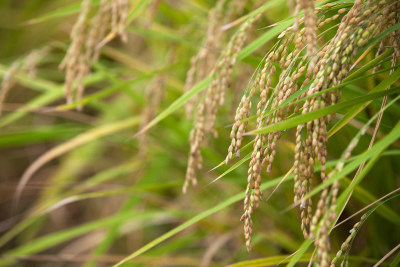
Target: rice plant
(199,133)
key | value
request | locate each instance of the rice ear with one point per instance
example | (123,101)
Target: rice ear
(88,35)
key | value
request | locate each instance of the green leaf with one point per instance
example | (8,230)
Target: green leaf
(300,119)
(58,13)
(176,104)
(270,261)
(300,252)
(192,221)
(137,9)
(36,135)
(54,239)
(396,261)
(103,93)
(386,83)
(365,197)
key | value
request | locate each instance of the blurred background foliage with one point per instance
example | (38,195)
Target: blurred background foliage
(98,199)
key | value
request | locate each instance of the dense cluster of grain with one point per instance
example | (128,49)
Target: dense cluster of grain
(312,68)
(27,65)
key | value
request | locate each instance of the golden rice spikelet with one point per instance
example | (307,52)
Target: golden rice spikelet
(310,22)
(88,35)
(204,61)
(119,15)
(74,61)
(213,97)
(354,31)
